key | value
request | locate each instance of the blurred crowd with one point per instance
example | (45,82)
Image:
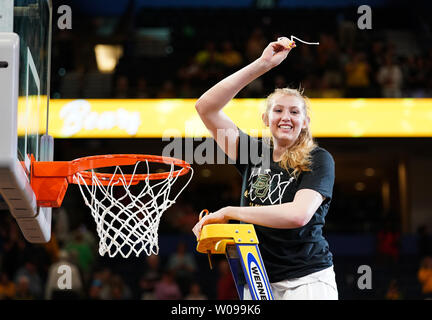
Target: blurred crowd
(70,267)
(347,63)
(40,271)
(73,269)
(326,71)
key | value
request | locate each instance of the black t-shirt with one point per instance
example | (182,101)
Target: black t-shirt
(287,253)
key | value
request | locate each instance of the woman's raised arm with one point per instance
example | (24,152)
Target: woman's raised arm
(211,103)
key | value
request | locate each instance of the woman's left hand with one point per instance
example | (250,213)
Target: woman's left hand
(220,216)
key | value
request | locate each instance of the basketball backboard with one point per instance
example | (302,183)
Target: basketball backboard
(25,46)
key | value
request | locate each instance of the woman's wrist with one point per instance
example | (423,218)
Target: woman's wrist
(231,213)
(263,65)
(234,213)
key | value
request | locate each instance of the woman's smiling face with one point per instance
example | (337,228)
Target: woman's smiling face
(286,117)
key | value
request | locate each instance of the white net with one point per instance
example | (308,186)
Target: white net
(127,216)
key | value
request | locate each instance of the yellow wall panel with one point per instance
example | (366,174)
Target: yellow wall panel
(155,118)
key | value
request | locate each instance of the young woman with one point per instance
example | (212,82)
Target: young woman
(286,196)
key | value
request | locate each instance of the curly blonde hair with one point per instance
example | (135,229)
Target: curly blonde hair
(298,156)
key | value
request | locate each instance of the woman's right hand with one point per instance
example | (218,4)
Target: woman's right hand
(276,52)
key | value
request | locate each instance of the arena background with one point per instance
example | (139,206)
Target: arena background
(380,214)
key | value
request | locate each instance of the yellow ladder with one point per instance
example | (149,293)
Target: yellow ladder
(239,243)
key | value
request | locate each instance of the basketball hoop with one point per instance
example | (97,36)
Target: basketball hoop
(126,208)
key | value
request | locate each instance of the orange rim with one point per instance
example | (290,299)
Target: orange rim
(49,179)
(102,161)
(68,169)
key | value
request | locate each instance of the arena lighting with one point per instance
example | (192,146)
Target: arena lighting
(107,57)
(156,118)
(360,186)
(369,172)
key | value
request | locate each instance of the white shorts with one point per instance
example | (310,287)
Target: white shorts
(319,285)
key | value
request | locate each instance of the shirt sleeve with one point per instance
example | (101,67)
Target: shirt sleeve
(321,177)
